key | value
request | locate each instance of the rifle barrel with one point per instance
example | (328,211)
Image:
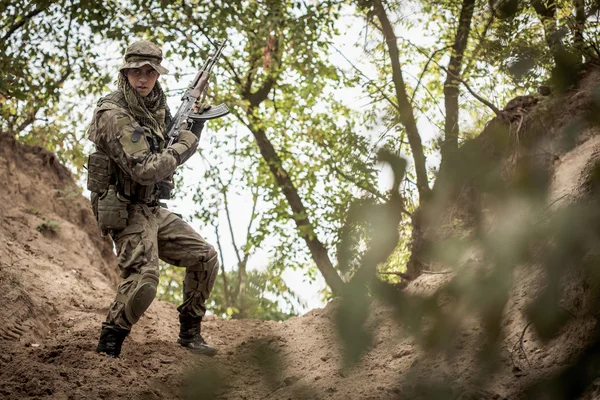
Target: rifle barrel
(189,96)
(217,55)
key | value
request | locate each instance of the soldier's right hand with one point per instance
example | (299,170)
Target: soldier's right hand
(187,138)
(186,144)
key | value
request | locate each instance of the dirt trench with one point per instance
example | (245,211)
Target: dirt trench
(57,278)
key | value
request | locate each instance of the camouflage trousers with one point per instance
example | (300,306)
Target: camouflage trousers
(153,233)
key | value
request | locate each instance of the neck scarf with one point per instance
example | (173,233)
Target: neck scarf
(144,109)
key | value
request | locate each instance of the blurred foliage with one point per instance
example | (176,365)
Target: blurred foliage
(212,380)
(527,232)
(205,383)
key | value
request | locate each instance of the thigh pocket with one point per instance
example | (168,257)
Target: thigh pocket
(131,250)
(112,210)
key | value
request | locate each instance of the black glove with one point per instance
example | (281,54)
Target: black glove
(199,108)
(197,127)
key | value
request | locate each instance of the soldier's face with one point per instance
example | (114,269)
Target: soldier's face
(142,79)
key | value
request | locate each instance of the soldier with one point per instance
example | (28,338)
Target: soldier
(124,176)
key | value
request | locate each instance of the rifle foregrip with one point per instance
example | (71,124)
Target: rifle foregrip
(214,112)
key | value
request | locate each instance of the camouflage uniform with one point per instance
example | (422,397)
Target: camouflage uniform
(139,161)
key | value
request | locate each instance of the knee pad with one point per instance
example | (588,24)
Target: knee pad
(142,296)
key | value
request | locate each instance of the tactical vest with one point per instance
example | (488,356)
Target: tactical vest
(104,172)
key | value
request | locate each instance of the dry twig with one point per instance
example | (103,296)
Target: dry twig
(444,272)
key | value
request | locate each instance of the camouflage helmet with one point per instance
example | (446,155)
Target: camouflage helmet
(142,53)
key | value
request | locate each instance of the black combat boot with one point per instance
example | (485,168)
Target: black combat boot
(111,339)
(190,338)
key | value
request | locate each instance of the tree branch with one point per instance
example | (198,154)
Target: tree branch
(22,22)
(546,10)
(451,92)
(223,274)
(252,217)
(189,14)
(228,214)
(482,100)
(542,10)
(299,214)
(579,26)
(31,117)
(369,80)
(412,98)
(478,97)
(400,274)
(243,272)
(358,184)
(257,97)
(479,46)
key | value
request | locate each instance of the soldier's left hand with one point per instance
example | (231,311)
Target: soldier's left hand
(199,108)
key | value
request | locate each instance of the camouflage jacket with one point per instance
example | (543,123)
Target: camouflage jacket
(115,131)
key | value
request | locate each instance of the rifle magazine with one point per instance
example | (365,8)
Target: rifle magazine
(212,113)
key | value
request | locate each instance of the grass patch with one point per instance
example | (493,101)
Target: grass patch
(33,211)
(48,226)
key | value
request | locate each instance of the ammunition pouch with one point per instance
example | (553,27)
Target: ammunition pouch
(112,210)
(100,170)
(104,173)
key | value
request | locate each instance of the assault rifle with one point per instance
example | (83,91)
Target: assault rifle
(198,87)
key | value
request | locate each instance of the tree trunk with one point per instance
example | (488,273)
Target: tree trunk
(407,117)
(241,289)
(451,92)
(546,10)
(579,27)
(299,212)
(228,300)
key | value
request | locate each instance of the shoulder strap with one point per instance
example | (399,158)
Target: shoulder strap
(168,117)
